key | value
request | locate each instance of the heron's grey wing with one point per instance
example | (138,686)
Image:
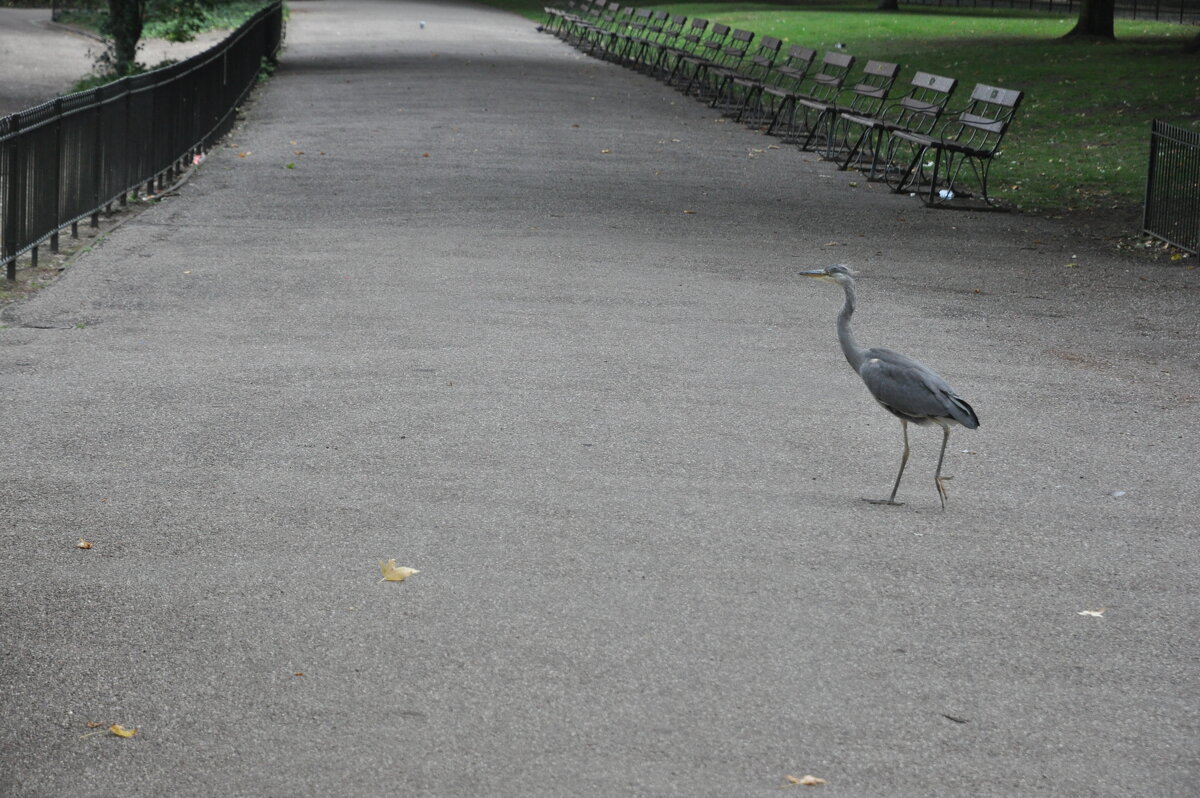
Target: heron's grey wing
(912,390)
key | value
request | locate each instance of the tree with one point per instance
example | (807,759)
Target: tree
(1095,20)
(888,5)
(126,19)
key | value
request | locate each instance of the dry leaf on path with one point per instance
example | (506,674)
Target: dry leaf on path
(1093,613)
(395,573)
(121,731)
(807,780)
(83,544)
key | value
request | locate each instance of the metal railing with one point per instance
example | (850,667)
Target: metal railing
(1180,11)
(1172,209)
(66,159)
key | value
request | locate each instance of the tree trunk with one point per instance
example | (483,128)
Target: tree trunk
(125,19)
(888,5)
(1095,20)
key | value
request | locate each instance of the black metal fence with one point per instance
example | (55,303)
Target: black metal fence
(65,160)
(1184,12)
(1172,210)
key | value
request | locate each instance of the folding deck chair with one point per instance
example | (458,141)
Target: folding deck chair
(820,87)
(866,96)
(764,97)
(918,111)
(954,163)
(709,75)
(733,86)
(687,66)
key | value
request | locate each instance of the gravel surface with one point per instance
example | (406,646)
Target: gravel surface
(476,329)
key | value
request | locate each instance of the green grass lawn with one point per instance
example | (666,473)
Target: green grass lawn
(1081,137)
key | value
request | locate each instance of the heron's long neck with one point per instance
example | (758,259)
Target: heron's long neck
(854,355)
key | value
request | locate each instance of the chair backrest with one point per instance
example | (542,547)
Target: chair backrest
(825,83)
(717,33)
(658,22)
(764,57)
(674,27)
(623,17)
(691,38)
(873,87)
(982,124)
(919,110)
(736,48)
(794,67)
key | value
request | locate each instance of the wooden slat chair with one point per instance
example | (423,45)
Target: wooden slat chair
(732,86)
(653,33)
(666,36)
(606,40)
(709,76)
(763,98)
(557,15)
(624,41)
(821,86)
(575,25)
(588,30)
(686,42)
(865,97)
(951,167)
(918,111)
(704,52)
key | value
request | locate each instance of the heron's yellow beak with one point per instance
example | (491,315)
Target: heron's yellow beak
(820,274)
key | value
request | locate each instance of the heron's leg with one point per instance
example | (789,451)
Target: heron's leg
(938,479)
(903,461)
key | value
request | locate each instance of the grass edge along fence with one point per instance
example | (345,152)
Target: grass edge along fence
(66,159)
(1172,209)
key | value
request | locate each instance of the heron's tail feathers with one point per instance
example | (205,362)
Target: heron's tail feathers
(962,412)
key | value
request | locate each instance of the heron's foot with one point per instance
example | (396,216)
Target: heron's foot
(892,502)
(941,487)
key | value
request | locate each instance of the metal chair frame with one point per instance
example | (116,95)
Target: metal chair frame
(733,83)
(918,111)
(866,96)
(943,169)
(822,86)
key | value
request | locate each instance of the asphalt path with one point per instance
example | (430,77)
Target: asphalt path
(530,323)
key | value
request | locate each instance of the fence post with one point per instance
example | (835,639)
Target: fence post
(125,159)
(8,247)
(97,159)
(58,163)
(1147,214)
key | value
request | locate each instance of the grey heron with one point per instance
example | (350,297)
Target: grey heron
(907,389)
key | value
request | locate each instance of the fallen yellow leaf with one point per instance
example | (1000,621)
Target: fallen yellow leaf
(805,781)
(83,544)
(1093,613)
(395,573)
(121,731)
